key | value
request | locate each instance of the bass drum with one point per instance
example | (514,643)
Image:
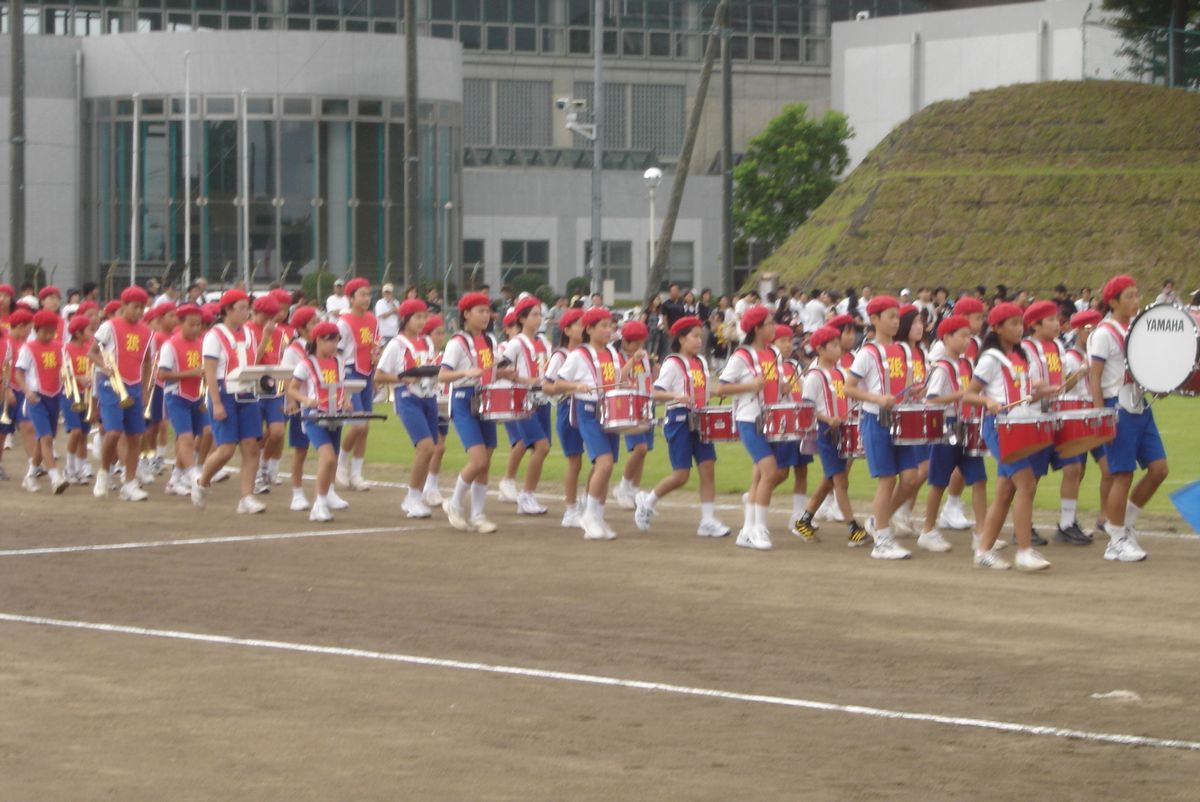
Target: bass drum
(1162,349)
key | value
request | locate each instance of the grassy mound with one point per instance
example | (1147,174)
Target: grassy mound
(1026,185)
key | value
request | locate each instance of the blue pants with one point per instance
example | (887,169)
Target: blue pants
(684,445)
(74,421)
(297,439)
(130,420)
(568,434)
(471,430)
(944,458)
(1137,443)
(186,417)
(883,457)
(364,399)
(419,415)
(320,436)
(15,412)
(44,415)
(831,461)
(597,441)
(754,442)
(271,410)
(158,409)
(243,420)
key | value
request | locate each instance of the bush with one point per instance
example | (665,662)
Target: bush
(580,285)
(318,286)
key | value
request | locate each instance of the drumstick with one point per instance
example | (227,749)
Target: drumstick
(1072,379)
(1016,403)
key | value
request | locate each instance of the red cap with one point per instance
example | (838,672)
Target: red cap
(951,325)
(111,307)
(211,309)
(968,306)
(753,317)
(432,324)
(1117,285)
(411,307)
(510,317)
(150,314)
(904,310)
(683,325)
(880,304)
(283,296)
(20,318)
(594,315)
(78,324)
(325,329)
(47,291)
(783,330)
(840,321)
(86,307)
(823,335)
(45,319)
(231,297)
(165,308)
(355,284)
(302,316)
(1002,312)
(1088,317)
(266,305)
(525,304)
(569,318)
(634,331)
(472,300)
(1040,310)
(7,289)
(23,304)
(134,295)
(188,309)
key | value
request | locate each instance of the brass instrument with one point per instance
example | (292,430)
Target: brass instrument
(5,379)
(203,396)
(150,392)
(92,406)
(115,380)
(70,385)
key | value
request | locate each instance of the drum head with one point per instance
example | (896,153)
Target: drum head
(1162,347)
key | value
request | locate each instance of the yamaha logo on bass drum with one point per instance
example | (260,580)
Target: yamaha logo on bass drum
(1170,326)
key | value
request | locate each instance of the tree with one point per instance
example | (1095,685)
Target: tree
(1157,39)
(788,171)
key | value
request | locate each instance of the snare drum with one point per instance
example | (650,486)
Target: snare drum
(918,424)
(503,402)
(625,412)
(1078,431)
(1021,437)
(849,439)
(1061,405)
(716,424)
(1162,349)
(970,436)
(781,423)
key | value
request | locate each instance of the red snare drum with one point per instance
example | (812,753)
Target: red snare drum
(625,412)
(808,417)
(503,402)
(970,437)
(918,424)
(1079,431)
(808,445)
(781,423)
(1024,436)
(716,424)
(850,444)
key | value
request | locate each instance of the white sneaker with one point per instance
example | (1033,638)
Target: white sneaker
(261,484)
(342,475)
(101,488)
(299,504)
(415,508)
(592,528)
(454,516)
(756,537)
(130,491)
(712,528)
(933,541)
(320,512)
(829,511)
(176,489)
(1119,549)
(643,512)
(527,504)
(571,518)
(86,475)
(275,480)
(901,526)
(30,484)
(1132,546)
(145,472)
(889,549)
(1030,560)
(335,501)
(433,497)
(999,545)
(249,505)
(199,494)
(953,518)
(990,559)
(482,525)
(221,476)
(508,491)
(609,532)
(626,497)
(359,484)
(60,486)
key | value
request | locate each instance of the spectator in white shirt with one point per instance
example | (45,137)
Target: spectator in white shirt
(386,313)
(337,303)
(815,311)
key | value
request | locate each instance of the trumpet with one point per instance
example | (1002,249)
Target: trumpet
(5,378)
(71,386)
(115,380)
(93,408)
(150,392)
(204,396)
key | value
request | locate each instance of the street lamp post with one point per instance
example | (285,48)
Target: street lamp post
(447,210)
(652,178)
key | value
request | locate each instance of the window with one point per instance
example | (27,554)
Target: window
(616,263)
(681,265)
(523,113)
(473,272)
(524,258)
(477,111)
(657,117)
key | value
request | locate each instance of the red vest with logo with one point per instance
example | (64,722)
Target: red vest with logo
(189,356)
(1049,356)
(47,361)
(229,346)
(81,363)
(273,350)
(365,330)
(133,340)
(326,374)
(641,372)
(696,373)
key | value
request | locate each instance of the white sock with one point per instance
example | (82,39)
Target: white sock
(343,459)
(356,466)
(320,499)
(273,466)
(883,534)
(478,498)
(905,510)
(706,510)
(1131,514)
(159,451)
(799,502)
(32,469)
(626,484)
(760,515)
(413,494)
(460,491)
(431,482)
(298,492)
(581,506)
(600,509)
(1115,532)
(651,499)
(747,510)
(55,476)
(1066,515)
(954,502)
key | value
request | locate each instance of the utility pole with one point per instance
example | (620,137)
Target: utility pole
(16,164)
(663,248)
(597,140)
(726,160)
(411,144)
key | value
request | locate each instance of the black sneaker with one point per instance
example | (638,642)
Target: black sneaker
(1072,535)
(804,529)
(1035,540)
(858,536)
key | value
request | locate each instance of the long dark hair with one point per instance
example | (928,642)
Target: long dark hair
(906,324)
(992,340)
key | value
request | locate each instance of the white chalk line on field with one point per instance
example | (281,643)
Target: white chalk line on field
(641,685)
(203,541)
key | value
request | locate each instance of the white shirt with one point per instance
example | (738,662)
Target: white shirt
(168,360)
(939,380)
(1102,345)
(842,306)
(579,369)
(388,326)
(213,347)
(26,363)
(1073,361)
(862,308)
(291,357)
(738,370)
(557,359)
(673,378)
(1081,305)
(813,389)
(866,367)
(814,315)
(160,300)
(335,305)
(458,357)
(989,369)
(517,351)
(936,351)
(394,360)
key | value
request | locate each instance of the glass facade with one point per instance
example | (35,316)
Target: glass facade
(325,184)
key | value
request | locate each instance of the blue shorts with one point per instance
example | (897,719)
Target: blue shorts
(884,458)
(185,416)
(597,441)
(542,415)
(1006,471)
(684,446)
(1137,443)
(944,458)
(296,436)
(568,434)
(753,441)
(320,436)
(364,399)
(130,420)
(44,415)
(831,461)
(271,410)
(14,412)
(471,430)
(419,415)
(632,441)
(74,421)
(1097,454)
(242,421)
(787,455)
(513,430)
(158,407)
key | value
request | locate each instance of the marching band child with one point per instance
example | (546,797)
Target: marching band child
(633,337)
(788,455)
(269,343)
(18,324)
(752,376)
(435,331)
(1075,359)
(301,325)
(952,515)
(844,324)
(317,376)
(80,329)
(161,328)
(1045,357)
(683,383)
(825,386)
(469,363)
(1002,376)
(910,336)
(181,367)
(359,353)
(527,353)
(507,487)
(571,327)
(122,345)
(39,371)
(1137,442)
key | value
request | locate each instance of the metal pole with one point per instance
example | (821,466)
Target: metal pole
(446,212)
(245,195)
(187,169)
(726,160)
(134,200)
(411,144)
(653,192)
(598,142)
(16,165)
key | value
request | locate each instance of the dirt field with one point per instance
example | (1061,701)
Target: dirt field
(136,715)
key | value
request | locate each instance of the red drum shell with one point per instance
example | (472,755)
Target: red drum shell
(918,424)
(625,412)
(716,424)
(1070,405)
(850,444)
(1024,436)
(1079,431)
(503,402)
(781,423)
(971,437)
